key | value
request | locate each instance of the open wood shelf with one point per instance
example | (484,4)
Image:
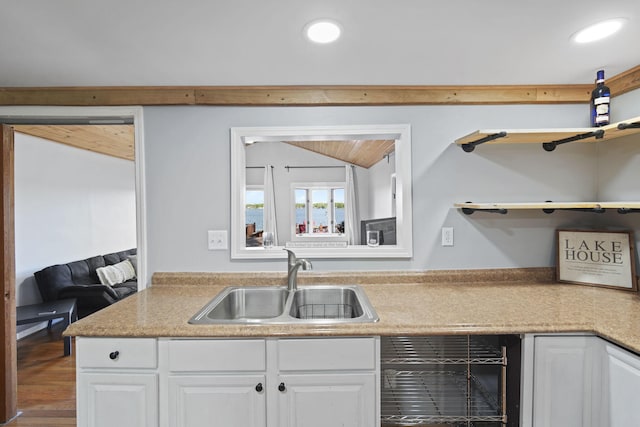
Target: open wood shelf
(549,207)
(549,138)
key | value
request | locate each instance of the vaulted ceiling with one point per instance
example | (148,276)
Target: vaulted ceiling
(112,140)
(118,141)
(363,153)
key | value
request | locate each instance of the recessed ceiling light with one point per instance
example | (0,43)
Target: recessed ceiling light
(322,31)
(598,31)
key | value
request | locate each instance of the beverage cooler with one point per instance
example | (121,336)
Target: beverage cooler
(462,380)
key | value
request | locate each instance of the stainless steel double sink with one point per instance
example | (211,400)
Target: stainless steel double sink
(321,304)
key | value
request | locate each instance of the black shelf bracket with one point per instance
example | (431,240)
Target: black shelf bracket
(550,146)
(597,209)
(623,126)
(470,146)
(469,211)
(592,210)
(627,210)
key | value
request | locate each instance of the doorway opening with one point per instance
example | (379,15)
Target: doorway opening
(30,116)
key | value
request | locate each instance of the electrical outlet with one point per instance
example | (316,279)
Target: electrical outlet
(217,239)
(447,236)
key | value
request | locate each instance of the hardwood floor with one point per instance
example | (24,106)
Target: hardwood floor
(46,381)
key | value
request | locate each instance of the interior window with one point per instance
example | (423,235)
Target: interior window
(319,210)
(254,215)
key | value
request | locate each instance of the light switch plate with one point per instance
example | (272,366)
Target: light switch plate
(447,236)
(217,239)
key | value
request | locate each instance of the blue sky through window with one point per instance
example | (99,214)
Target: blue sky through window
(254,197)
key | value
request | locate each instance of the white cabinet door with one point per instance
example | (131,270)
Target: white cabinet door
(112,399)
(567,380)
(624,387)
(217,401)
(322,400)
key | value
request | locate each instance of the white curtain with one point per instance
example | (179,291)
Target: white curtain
(270,204)
(351,216)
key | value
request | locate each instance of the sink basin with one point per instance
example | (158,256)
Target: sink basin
(327,304)
(244,304)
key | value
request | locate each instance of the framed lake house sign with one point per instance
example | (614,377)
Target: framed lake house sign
(598,258)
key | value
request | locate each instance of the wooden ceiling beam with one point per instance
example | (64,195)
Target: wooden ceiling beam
(97,96)
(314,95)
(391,95)
(625,82)
(296,95)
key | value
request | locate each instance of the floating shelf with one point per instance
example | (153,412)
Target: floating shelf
(549,207)
(549,138)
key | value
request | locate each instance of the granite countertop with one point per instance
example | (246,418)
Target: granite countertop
(510,301)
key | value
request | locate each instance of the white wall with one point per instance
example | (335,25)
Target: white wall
(619,168)
(188,180)
(380,192)
(70,204)
(619,160)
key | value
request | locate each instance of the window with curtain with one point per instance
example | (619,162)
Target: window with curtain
(318,209)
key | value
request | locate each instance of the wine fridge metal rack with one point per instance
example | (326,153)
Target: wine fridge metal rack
(451,380)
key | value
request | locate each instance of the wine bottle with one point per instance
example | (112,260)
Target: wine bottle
(600,100)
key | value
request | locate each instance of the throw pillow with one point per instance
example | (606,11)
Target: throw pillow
(134,262)
(116,273)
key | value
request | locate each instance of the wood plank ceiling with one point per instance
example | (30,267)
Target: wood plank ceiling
(363,153)
(118,141)
(112,140)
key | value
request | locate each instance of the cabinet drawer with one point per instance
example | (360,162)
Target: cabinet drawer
(326,354)
(116,352)
(217,355)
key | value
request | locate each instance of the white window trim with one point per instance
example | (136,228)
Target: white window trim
(332,237)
